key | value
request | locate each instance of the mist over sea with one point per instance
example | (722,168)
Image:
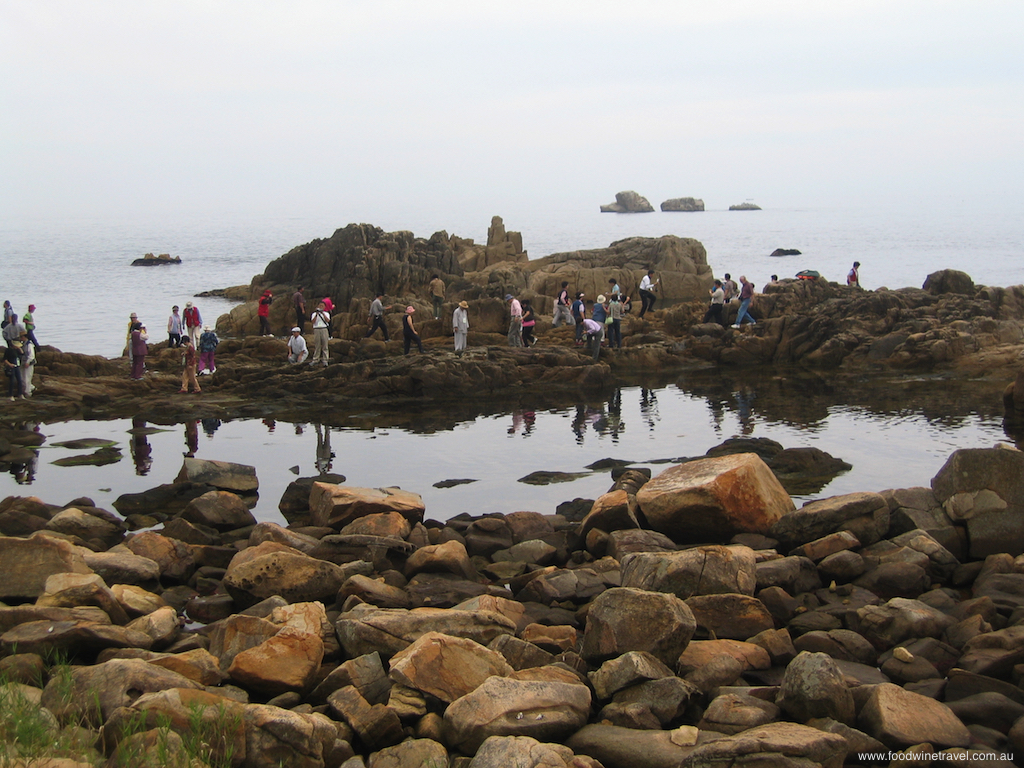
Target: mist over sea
(78,274)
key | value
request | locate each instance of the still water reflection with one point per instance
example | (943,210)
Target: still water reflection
(895,433)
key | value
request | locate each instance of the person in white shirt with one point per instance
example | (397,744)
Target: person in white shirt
(321,334)
(515,324)
(647,287)
(297,349)
(460,324)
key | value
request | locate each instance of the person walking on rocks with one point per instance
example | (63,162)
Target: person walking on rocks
(515,322)
(409,334)
(193,323)
(437,295)
(529,321)
(297,349)
(563,313)
(174,328)
(377,316)
(13,330)
(28,366)
(579,311)
(188,373)
(460,324)
(321,334)
(208,343)
(614,321)
(12,368)
(853,276)
(746,294)
(139,350)
(299,302)
(263,312)
(729,288)
(29,321)
(648,285)
(717,303)
(8,311)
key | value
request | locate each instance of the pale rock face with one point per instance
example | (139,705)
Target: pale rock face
(900,718)
(335,506)
(286,662)
(698,571)
(794,744)
(293,576)
(27,563)
(714,499)
(446,667)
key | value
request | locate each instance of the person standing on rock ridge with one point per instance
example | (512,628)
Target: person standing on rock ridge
(529,321)
(515,322)
(579,312)
(174,328)
(193,323)
(614,322)
(188,373)
(714,312)
(28,366)
(562,308)
(263,312)
(460,325)
(409,334)
(746,295)
(139,350)
(729,288)
(13,330)
(299,301)
(648,285)
(437,295)
(377,316)
(29,321)
(297,349)
(208,343)
(853,276)
(12,369)
(321,335)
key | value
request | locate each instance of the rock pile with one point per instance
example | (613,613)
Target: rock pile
(692,619)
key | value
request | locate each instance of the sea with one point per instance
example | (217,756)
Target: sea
(77,272)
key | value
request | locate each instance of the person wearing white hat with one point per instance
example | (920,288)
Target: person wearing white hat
(208,343)
(297,349)
(460,324)
(193,323)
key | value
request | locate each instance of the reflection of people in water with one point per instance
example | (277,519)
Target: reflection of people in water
(649,407)
(210,426)
(717,414)
(611,423)
(140,448)
(25,472)
(595,417)
(744,400)
(324,454)
(522,420)
(299,428)
(270,424)
(191,437)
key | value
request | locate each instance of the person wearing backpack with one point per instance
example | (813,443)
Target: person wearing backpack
(207,351)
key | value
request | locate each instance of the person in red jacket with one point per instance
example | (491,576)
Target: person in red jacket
(264,312)
(193,323)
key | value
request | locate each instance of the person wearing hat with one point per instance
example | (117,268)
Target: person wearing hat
(12,368)
(297,349)
(13,330)
(579,312)
(193,323)
(263,312)
(188,373)
(207,351)
(460,324)
(28,366)
(132,320)
(139,350)
(321,334)
(174,328)
(409,334)
(515,322)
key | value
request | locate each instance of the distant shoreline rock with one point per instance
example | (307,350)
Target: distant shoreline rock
(149,260)
(628,202)
(785,252)
(685,204)
(745,207)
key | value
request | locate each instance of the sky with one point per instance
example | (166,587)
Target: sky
(120,107)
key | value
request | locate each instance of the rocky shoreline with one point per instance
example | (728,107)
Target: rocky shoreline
(693,618)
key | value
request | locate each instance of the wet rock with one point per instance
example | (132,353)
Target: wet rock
(221,510)
(714,499)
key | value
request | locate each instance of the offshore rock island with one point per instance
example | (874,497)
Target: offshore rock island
(692,618)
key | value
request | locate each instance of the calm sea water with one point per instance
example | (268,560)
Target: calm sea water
(77,272)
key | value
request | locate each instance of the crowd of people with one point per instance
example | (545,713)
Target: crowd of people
(20,345)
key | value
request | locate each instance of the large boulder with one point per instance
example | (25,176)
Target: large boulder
(390,630)
(27,563)
(949,281)
(335,506)
(812,687)
(708,570)
(900,718)
(624,619)
(224,475)
(776,744)
(628,202)
(685,204)
(714,499)
(866,515)
(292,575)
(446,667)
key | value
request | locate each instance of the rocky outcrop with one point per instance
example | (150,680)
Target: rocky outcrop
(717,654)
(628,202)
(785,252)
(949,281)
(686,204)
(149,260)
(745,207)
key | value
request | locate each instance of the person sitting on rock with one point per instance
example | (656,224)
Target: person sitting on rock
(297,349)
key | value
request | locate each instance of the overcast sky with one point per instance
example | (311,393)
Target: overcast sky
(127,107)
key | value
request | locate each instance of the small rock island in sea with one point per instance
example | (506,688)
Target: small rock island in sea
(149,260)
(694,617)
